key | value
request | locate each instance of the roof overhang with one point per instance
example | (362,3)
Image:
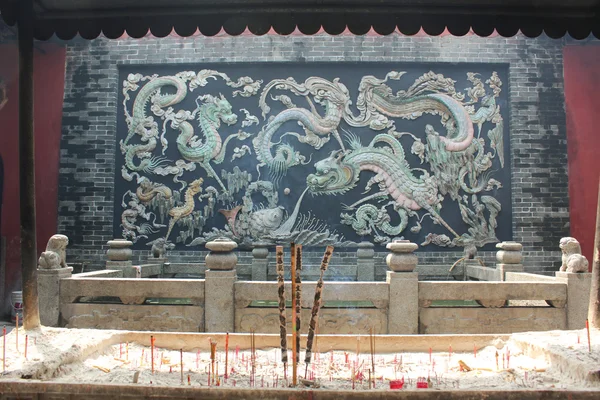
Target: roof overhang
(113,18)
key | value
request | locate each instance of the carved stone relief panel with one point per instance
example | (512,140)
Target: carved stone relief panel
(323,153)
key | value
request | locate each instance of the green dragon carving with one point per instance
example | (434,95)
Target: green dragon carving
(369,218)
(145,126)
(375,102)
(340,172)
(333,96)
(210,114)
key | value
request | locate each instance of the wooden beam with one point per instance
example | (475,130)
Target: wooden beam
(31,317)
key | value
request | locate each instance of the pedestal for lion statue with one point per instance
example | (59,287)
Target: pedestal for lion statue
(52,267)
(574,272)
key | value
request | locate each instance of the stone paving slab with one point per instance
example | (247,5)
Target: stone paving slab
(12,390)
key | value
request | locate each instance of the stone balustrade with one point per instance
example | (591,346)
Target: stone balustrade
(400,305)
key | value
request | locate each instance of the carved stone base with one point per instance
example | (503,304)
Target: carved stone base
(365,262)
(219,295)
(578,295)
(403,314)
(159,260)
(128,270)
(504,268)
(49,294)
(260,263)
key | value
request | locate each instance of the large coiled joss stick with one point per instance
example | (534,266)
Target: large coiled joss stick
(281,294)
(294,328)
(316,306)
(298,298)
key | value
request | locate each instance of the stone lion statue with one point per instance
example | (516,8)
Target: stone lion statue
(572,259)
(159,248)
(55,255)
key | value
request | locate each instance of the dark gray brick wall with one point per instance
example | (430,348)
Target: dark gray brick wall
(537,124)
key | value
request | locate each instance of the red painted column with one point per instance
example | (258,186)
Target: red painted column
(582,102)
(49,75)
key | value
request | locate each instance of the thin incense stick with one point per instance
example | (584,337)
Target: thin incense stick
(253,360)
(372,337)
(181,362)
(226,353)
(298,299)
(152,352)
(281,294)
(587,326)
(213,351)
(26,340)
(294,332)
(316,306)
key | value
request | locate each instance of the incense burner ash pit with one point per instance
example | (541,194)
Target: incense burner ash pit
(176,360)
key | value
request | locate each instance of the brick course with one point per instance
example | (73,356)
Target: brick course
(537,124)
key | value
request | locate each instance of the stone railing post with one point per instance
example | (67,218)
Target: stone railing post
(403,313)
(509,259)
(365,262)
(52,267)
(578,297)
(119,257)
(219,310)
(574,272)
(260,263)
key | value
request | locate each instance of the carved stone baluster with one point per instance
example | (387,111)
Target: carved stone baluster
(365,262)
(219,286)
(260,263)
(119,257)
(403,313)
(509,258)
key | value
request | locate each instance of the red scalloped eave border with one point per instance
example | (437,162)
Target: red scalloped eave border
(310,24)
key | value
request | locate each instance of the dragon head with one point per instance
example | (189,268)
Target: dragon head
(218,109)
(196,186)
(223,111)
(333,175)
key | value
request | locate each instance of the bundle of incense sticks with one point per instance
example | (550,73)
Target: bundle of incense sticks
(298,298)
(316,306)
(294,320)
(281,293)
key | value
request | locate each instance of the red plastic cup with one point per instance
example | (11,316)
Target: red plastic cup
(397,384)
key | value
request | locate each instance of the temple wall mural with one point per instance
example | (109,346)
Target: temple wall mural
(319,153)
(447,142)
